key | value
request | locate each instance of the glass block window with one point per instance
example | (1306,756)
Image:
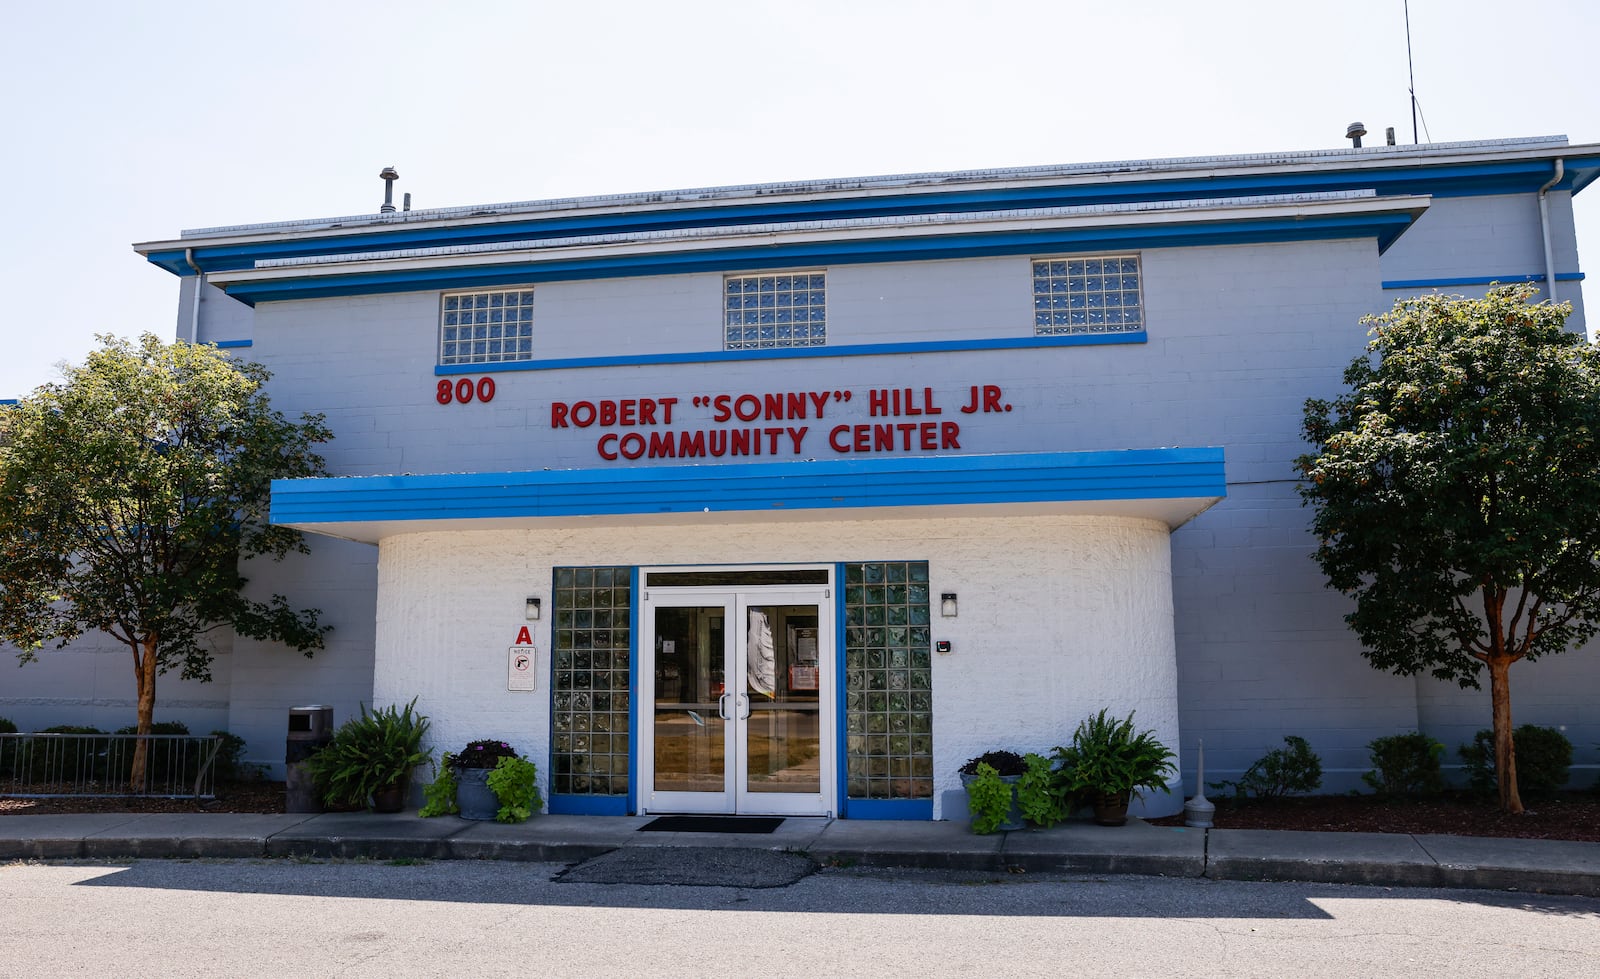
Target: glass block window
(486,327)
(888,699)
(788,309)
(589,686)
(1087,295)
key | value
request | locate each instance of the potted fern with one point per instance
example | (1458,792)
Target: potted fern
(370,758)
(1108,761)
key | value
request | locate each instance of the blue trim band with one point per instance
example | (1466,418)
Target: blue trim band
(785,353)
(590,805)
(772,487)
(1479,280)
(1386,227)
(635,607)
(230,344)
(10,401)
(1438,180)
(891,809)
(840,759)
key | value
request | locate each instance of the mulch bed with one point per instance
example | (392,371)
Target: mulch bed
(1569,816)
(258,797)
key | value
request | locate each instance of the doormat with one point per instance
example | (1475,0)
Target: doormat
(712,824)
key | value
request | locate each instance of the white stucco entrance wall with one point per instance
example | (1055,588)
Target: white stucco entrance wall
(1059,616)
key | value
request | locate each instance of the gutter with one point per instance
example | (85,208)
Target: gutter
(1544,226)
(200,282)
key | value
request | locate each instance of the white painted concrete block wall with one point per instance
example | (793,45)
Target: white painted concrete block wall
(91,683)
(1059,617)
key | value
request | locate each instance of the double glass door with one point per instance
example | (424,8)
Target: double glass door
(741,708)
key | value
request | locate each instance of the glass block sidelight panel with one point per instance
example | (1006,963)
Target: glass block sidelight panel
(589,681)
(1090,294)
(888,681)
(486,327)
(786,309)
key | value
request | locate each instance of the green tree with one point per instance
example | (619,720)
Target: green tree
(1457,492)
(129,495)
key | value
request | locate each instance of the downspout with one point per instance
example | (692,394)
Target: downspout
(1544,225)
(200,283)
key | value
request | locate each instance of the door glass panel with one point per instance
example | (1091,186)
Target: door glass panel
(690,741)
(782,674)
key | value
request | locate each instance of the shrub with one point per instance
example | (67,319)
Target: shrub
(66,759)
(162,762)
(1405,764)
(8,749)
(1544,760)
(229,762)
(1294,768)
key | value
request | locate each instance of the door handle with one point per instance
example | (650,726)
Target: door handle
(745,701)
(722,708)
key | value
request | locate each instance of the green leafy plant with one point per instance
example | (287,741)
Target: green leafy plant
(1041,795)
(515,783)
(1405,764)
(6,727)
(370,753)
(1293,768)
(439,795)
(988,798)
(1544,760)
(1109,757)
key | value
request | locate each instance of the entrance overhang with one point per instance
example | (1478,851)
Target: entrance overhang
(1172,485)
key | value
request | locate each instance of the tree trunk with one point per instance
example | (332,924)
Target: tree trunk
(1505,755)
(145,685)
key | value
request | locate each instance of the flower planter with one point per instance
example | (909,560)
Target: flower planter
(473,795)
(1013,820)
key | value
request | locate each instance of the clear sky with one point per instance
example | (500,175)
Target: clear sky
(130,122)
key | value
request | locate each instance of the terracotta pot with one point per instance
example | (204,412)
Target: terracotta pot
(1111,808)
(392,797)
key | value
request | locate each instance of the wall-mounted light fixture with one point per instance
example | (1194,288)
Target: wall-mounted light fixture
(533,608)
(947,604)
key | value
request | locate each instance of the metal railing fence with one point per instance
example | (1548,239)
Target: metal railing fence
(39,766)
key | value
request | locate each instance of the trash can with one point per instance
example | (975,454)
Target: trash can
(310,728)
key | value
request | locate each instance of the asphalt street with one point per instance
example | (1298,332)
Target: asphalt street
(306,917)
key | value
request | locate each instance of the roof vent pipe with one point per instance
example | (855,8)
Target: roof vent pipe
(388,176)
(405,202)
(1354,132)
(1388,135)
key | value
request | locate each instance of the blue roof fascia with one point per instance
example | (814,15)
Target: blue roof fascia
(1386,227)
(1440,180)
(1046,477)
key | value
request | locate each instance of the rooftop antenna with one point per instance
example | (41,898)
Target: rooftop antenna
(1411,73)
(388,176)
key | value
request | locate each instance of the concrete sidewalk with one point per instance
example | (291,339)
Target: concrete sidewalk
(1544,866)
